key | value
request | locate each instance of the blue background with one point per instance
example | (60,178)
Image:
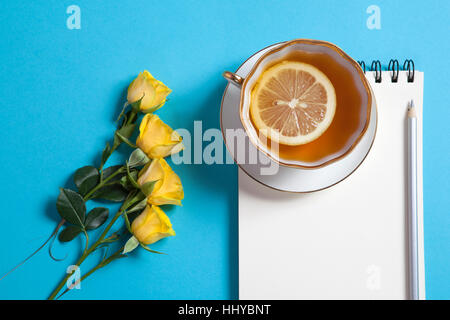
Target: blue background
(62,89)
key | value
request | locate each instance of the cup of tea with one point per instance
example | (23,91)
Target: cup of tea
(304,103)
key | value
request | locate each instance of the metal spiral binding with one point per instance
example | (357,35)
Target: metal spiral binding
(395,68)
(363,65)
(376,66)
(407,65)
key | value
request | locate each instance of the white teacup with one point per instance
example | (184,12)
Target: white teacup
(277,54)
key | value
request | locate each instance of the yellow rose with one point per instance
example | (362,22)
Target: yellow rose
(168,188)
(152,225)
(157,139)
(153,91)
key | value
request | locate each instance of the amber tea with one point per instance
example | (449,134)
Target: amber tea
(313,104)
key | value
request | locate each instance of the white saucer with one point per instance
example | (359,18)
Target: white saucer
(288,178)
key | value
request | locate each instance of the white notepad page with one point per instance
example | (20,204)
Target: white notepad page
(345,242)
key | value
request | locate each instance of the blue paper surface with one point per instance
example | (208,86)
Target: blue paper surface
(61,90)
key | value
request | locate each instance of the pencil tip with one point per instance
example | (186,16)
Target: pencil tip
(411,110)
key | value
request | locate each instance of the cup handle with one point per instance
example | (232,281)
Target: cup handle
(233,78)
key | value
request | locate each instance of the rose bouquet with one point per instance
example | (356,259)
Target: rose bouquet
(141,185)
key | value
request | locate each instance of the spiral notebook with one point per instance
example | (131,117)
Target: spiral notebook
(349,241)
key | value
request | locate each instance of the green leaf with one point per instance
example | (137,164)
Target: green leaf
(110,170)
(115,193)
(130,117)
(69,233)
(86,178)
(125,181)
(127,130)
(124,133)
(137,197)
(105,155)
(150,250)
(131,178)
(138,158)
(139,201)
(131,244)
(140,205)
(124,139)
(147,188)
(96,217)
(71,207)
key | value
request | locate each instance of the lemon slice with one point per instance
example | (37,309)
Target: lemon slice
(293,103)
